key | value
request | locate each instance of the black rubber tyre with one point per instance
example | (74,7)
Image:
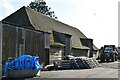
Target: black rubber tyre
(116,57)
(102,58)
(113,57)
(107,60)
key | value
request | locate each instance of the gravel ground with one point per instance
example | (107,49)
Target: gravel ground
(113,65)
(106,70)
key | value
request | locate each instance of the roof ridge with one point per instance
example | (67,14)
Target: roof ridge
(54,19)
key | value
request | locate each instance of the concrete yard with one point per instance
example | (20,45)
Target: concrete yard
(106,70)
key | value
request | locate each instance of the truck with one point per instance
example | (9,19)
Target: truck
(108,53)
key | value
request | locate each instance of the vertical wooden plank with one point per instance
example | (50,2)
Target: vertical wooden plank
(42,49)
(67,44)
(21,41)
(47,40)
(0,50)
(16,46)
(23,37)
(47,47)
(5,42)
(12,43)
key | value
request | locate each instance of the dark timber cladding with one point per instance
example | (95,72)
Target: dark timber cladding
(0,50)
(68,46)
(64,39)
(89,43)
(18,41)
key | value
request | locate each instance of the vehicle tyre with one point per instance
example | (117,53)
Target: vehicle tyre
(107,60)
(113,57)
(116,57)
(102,58)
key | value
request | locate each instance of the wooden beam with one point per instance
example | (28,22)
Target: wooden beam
(0,50)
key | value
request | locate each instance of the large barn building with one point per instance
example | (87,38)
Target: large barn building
(29,32)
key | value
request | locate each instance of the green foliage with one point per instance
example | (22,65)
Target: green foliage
(40,6)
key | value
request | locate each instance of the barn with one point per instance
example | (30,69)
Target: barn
(29,32)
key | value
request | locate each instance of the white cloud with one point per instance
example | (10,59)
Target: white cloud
(6,8)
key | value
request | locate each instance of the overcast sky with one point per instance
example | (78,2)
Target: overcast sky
(97,19)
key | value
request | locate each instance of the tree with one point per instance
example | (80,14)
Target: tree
(40,6)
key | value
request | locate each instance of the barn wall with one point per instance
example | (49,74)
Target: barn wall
(89,43)
(34,45)
(56,53)
(9,42)
(18,41)
(79,52)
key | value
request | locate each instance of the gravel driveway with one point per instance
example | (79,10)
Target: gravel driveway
(106,70)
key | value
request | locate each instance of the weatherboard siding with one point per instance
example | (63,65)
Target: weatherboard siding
(56,53)
(79,52)
(17,41)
